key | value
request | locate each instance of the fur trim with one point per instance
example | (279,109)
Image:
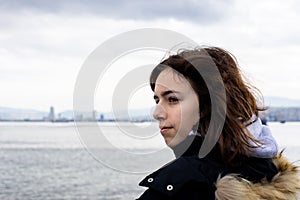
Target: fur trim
(285,185)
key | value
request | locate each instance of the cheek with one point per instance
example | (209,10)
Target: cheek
(176,115)
(187,117)
(196,115)
(191,111)
(190,117)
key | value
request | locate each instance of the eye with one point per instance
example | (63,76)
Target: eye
(173,99)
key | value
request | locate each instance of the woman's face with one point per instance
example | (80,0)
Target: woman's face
(177,107)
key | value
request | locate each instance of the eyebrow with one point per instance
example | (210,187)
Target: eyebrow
(165,93)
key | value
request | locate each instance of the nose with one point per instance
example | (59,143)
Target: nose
(159,113)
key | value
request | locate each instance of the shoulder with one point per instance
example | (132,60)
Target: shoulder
(190,177)
(284,185)
(184,178)
(254,169)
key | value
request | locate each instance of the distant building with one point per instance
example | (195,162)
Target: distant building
(51,115)
(94,115)
(101,117)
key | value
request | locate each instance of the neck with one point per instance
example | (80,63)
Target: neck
(188,147)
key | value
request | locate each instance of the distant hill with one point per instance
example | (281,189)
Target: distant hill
(134,114)
(21,114)
(272,101)
(282,114)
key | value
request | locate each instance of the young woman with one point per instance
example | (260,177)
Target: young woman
(240,164)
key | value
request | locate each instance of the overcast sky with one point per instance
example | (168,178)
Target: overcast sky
(43,44)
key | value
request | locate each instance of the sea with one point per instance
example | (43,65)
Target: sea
(96,160)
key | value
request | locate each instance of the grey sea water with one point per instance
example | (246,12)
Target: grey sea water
(51,161)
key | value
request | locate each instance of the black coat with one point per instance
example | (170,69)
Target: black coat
(189,177)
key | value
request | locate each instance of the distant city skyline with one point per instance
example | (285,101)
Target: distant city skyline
(45,43)
(279,109)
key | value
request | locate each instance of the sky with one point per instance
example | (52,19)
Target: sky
(43,44)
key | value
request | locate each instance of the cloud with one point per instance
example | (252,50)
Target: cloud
(189,10)
(44,43)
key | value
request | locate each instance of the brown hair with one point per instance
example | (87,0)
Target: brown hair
(240,102)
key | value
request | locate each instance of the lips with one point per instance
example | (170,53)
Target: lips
(165,129)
